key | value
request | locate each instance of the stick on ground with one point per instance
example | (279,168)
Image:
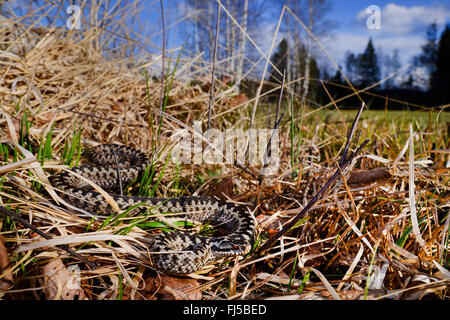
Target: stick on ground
(316,197)
(342,165)
(213,71)
(16,217)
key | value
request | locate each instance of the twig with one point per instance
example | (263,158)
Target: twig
(281,96)
(350,134)
(268,152)
(213,71)
(276,124)
(290,224)
(65,247)
(261,83)
(161,98)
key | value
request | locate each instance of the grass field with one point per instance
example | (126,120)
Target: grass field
(365,238)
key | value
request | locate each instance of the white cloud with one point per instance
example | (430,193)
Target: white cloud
(343,42)
(407,46)
(402,20)
(402,28)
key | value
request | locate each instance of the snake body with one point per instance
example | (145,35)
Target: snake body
(170,252)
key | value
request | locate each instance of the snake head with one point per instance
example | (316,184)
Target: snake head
(230,247)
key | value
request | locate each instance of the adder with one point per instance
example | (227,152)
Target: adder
(173,252)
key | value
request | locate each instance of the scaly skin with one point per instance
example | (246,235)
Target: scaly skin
(171,252)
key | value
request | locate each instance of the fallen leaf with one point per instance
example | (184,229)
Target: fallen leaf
(60,284)
(6,279)
(179,289)
(224,189)
(366,177)
(238,100)
(270,223)
(147,293)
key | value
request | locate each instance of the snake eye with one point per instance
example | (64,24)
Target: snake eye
(225,246)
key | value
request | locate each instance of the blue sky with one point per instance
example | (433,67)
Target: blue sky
(403,25)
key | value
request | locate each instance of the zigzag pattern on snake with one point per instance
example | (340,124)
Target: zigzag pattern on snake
(171,252)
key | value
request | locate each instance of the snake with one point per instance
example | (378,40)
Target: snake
(172,252)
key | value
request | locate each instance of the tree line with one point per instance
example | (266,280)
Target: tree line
(191,24)
(426,83)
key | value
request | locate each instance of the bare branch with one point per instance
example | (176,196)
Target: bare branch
(291,223)
(211,93)
(16,217)
(161,98)
(351,134)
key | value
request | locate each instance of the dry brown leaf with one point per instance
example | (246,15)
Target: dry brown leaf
(366,177)
(270,223)
(6,279)
(224,189)
(351,294)
(237,100)
(179,289)
(60,284)
(147,293)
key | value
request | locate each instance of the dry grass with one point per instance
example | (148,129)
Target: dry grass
(359,241)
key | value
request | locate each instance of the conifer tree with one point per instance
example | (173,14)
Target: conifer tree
(279,59)
(440,78)
(368,67)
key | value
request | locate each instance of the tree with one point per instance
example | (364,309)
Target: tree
(305,87)
(241,48)
(309,68)
(200,27)
(351,67)
(368,67)
(337,78)
(313,13)
(231,52)
(428,58)
(363,70)
(312,73)
(440,78)
(409,83)
(392,65)
(425,63)
(279,60)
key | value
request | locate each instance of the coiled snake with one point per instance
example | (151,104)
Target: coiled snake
(171,252)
